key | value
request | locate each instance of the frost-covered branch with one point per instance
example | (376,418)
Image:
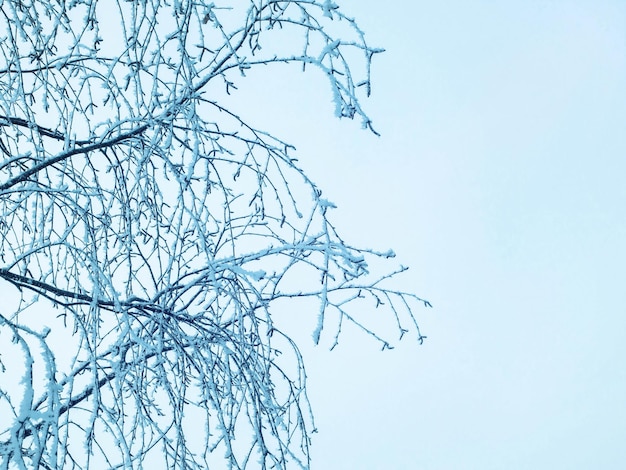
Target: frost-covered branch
(148,233)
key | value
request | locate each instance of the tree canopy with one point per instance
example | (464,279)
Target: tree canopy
(146,232)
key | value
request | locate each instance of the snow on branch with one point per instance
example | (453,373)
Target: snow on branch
(147,234)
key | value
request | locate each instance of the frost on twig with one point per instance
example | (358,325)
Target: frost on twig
(146,232)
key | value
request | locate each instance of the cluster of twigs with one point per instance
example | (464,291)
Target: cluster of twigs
(149,231)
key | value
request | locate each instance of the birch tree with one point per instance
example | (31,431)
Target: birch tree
(147,233)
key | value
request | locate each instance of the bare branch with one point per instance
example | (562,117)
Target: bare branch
(148,233)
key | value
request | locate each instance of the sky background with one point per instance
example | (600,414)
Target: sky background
(499,179)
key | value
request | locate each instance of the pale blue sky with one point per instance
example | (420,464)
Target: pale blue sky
(499,178)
